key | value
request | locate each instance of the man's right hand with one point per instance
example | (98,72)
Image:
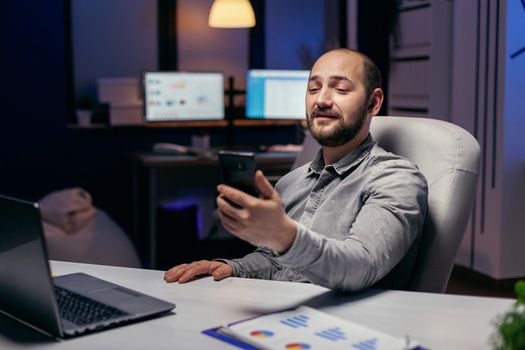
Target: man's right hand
(186,272)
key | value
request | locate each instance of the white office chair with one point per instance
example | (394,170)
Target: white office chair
(310,148)
(448,156)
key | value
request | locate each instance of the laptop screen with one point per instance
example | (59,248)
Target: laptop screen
(183,96)
(26,290)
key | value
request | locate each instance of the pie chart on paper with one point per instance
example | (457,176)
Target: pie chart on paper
(297,346)
(261,334)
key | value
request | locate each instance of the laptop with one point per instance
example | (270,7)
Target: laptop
(64,306)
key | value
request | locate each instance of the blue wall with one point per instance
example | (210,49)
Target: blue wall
(116,38)
(290,24)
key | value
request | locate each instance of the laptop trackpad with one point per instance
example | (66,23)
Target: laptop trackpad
(125,300)
(82,283)
(115,293)
(117,297)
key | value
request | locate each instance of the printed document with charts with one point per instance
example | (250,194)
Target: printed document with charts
(307,328)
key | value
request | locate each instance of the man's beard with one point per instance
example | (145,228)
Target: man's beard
(344,131)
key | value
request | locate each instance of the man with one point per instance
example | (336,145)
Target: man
(350,218)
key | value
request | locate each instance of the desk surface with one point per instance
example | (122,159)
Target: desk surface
(438,321)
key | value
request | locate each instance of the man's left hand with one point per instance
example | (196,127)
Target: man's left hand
(259,221)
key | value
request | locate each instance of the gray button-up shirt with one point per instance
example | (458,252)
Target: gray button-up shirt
(358,219)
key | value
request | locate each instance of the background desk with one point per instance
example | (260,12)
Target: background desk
(161,178)
(438,321)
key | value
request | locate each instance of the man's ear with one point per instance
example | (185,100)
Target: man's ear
(375,101)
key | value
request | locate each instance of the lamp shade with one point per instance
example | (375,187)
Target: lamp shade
(231,14)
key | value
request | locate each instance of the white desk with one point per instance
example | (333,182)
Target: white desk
(437,321)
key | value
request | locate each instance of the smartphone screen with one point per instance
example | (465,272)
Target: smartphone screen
(238,170)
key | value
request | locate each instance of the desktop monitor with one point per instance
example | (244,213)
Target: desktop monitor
(183,96)
(276,94)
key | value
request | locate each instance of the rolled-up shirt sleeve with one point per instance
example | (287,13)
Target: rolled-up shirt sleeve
(261,264)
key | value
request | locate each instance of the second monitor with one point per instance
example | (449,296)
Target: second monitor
(183,96)
(276,94)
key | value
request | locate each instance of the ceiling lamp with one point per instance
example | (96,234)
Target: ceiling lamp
(231,14)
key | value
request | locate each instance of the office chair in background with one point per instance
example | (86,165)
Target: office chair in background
(448,156)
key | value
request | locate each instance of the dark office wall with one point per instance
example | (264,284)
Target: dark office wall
(38,153)
(288,35)
(376,21)
(109,42)
(33,111)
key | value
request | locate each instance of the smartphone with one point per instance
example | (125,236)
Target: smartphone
(238,170)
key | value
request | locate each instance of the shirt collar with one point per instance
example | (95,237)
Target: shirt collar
(347,162)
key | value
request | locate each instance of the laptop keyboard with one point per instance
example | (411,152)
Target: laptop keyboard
(81,310)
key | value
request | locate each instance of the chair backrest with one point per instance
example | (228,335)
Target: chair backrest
(448,156)
(310,148)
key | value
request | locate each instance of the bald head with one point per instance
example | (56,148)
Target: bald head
(370,72)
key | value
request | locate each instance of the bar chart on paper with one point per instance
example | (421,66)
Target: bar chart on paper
(307,328)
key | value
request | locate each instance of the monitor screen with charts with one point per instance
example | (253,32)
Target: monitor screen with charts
(183,96)
(276,94)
